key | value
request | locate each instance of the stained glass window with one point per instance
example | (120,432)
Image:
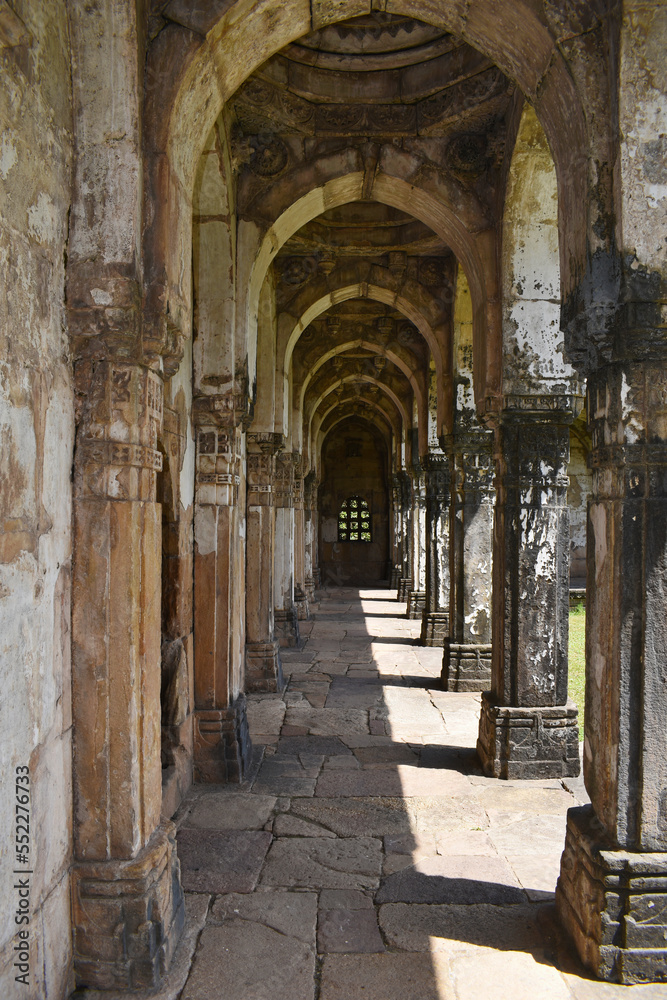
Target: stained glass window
(354,521)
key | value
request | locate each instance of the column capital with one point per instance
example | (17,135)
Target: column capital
(265,442)
(120,419)
(223,409)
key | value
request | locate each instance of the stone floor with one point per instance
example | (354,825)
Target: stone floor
(366,856)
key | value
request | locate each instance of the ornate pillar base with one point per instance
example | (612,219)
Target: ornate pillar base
(394,577)
(263,669)
(286,627)
(416,604)
(222,743)
(128,916)
(613,903)
(404,588)
(301,604)
(309,587)
(528,742)
(435,626)
(466,667)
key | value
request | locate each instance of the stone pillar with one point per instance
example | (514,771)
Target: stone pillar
(222,740)
(300,595)
(310,519)
(435,617)
(466,664)
(285,613)
(416,596)
(263,666)
(405,519)
(528,728)
(396,540)
(127,904)
(612,891)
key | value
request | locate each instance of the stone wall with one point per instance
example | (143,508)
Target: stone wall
(36,443)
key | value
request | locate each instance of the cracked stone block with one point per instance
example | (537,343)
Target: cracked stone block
(316,862)
(344,930)
(328,721)
(241,811)
(265,716)
(291,913)
(221,862)
(468,880)
(252,961)
(451,928)
(292,826)
(287,775)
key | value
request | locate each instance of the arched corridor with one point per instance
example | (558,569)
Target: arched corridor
(365,854)
(304,297)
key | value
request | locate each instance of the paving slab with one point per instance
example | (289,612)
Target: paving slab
(293,826)
(283,774)
(242,811)
(384,977)
(453,928)
(401,780)
(265,716)
(216,862)
(243,960)
(392,753)
(290,913)
(328,721)
(345,899)
(325,745)
(320,863)
(342,930)
(467,880)
(505,976)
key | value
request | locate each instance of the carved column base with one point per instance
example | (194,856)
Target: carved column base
(435,625)
(263,669)
(528,742)
(613,904)
(404,588)
(222,743)
(301,604)
(394,577)
(309,587)
(286,627)
(128,916)
(466,667)
(416,604)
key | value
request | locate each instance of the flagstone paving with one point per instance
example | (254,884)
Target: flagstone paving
(366,857)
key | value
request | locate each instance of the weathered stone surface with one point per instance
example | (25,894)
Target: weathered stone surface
(226,812)
(322,745)
(453,928)
(252,960)
(449,879)
(221,862)
(328,721)
(293,914)
(343,930)
(286,774)
(265,716)
(382,977)
(315,862)
(285,825)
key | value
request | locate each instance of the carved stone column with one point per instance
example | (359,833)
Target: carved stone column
(405,518)
(263,666)
(416,596)
(285,613)
(435,617)
(396,540)
(310,519)
(222,740)
(612,891)
(528,727)
(300,595)
(127,903)
(466,664)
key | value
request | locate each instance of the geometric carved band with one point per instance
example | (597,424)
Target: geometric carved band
(218,478)
(119,453)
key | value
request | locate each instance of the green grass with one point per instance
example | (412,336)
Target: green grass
(577,662)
